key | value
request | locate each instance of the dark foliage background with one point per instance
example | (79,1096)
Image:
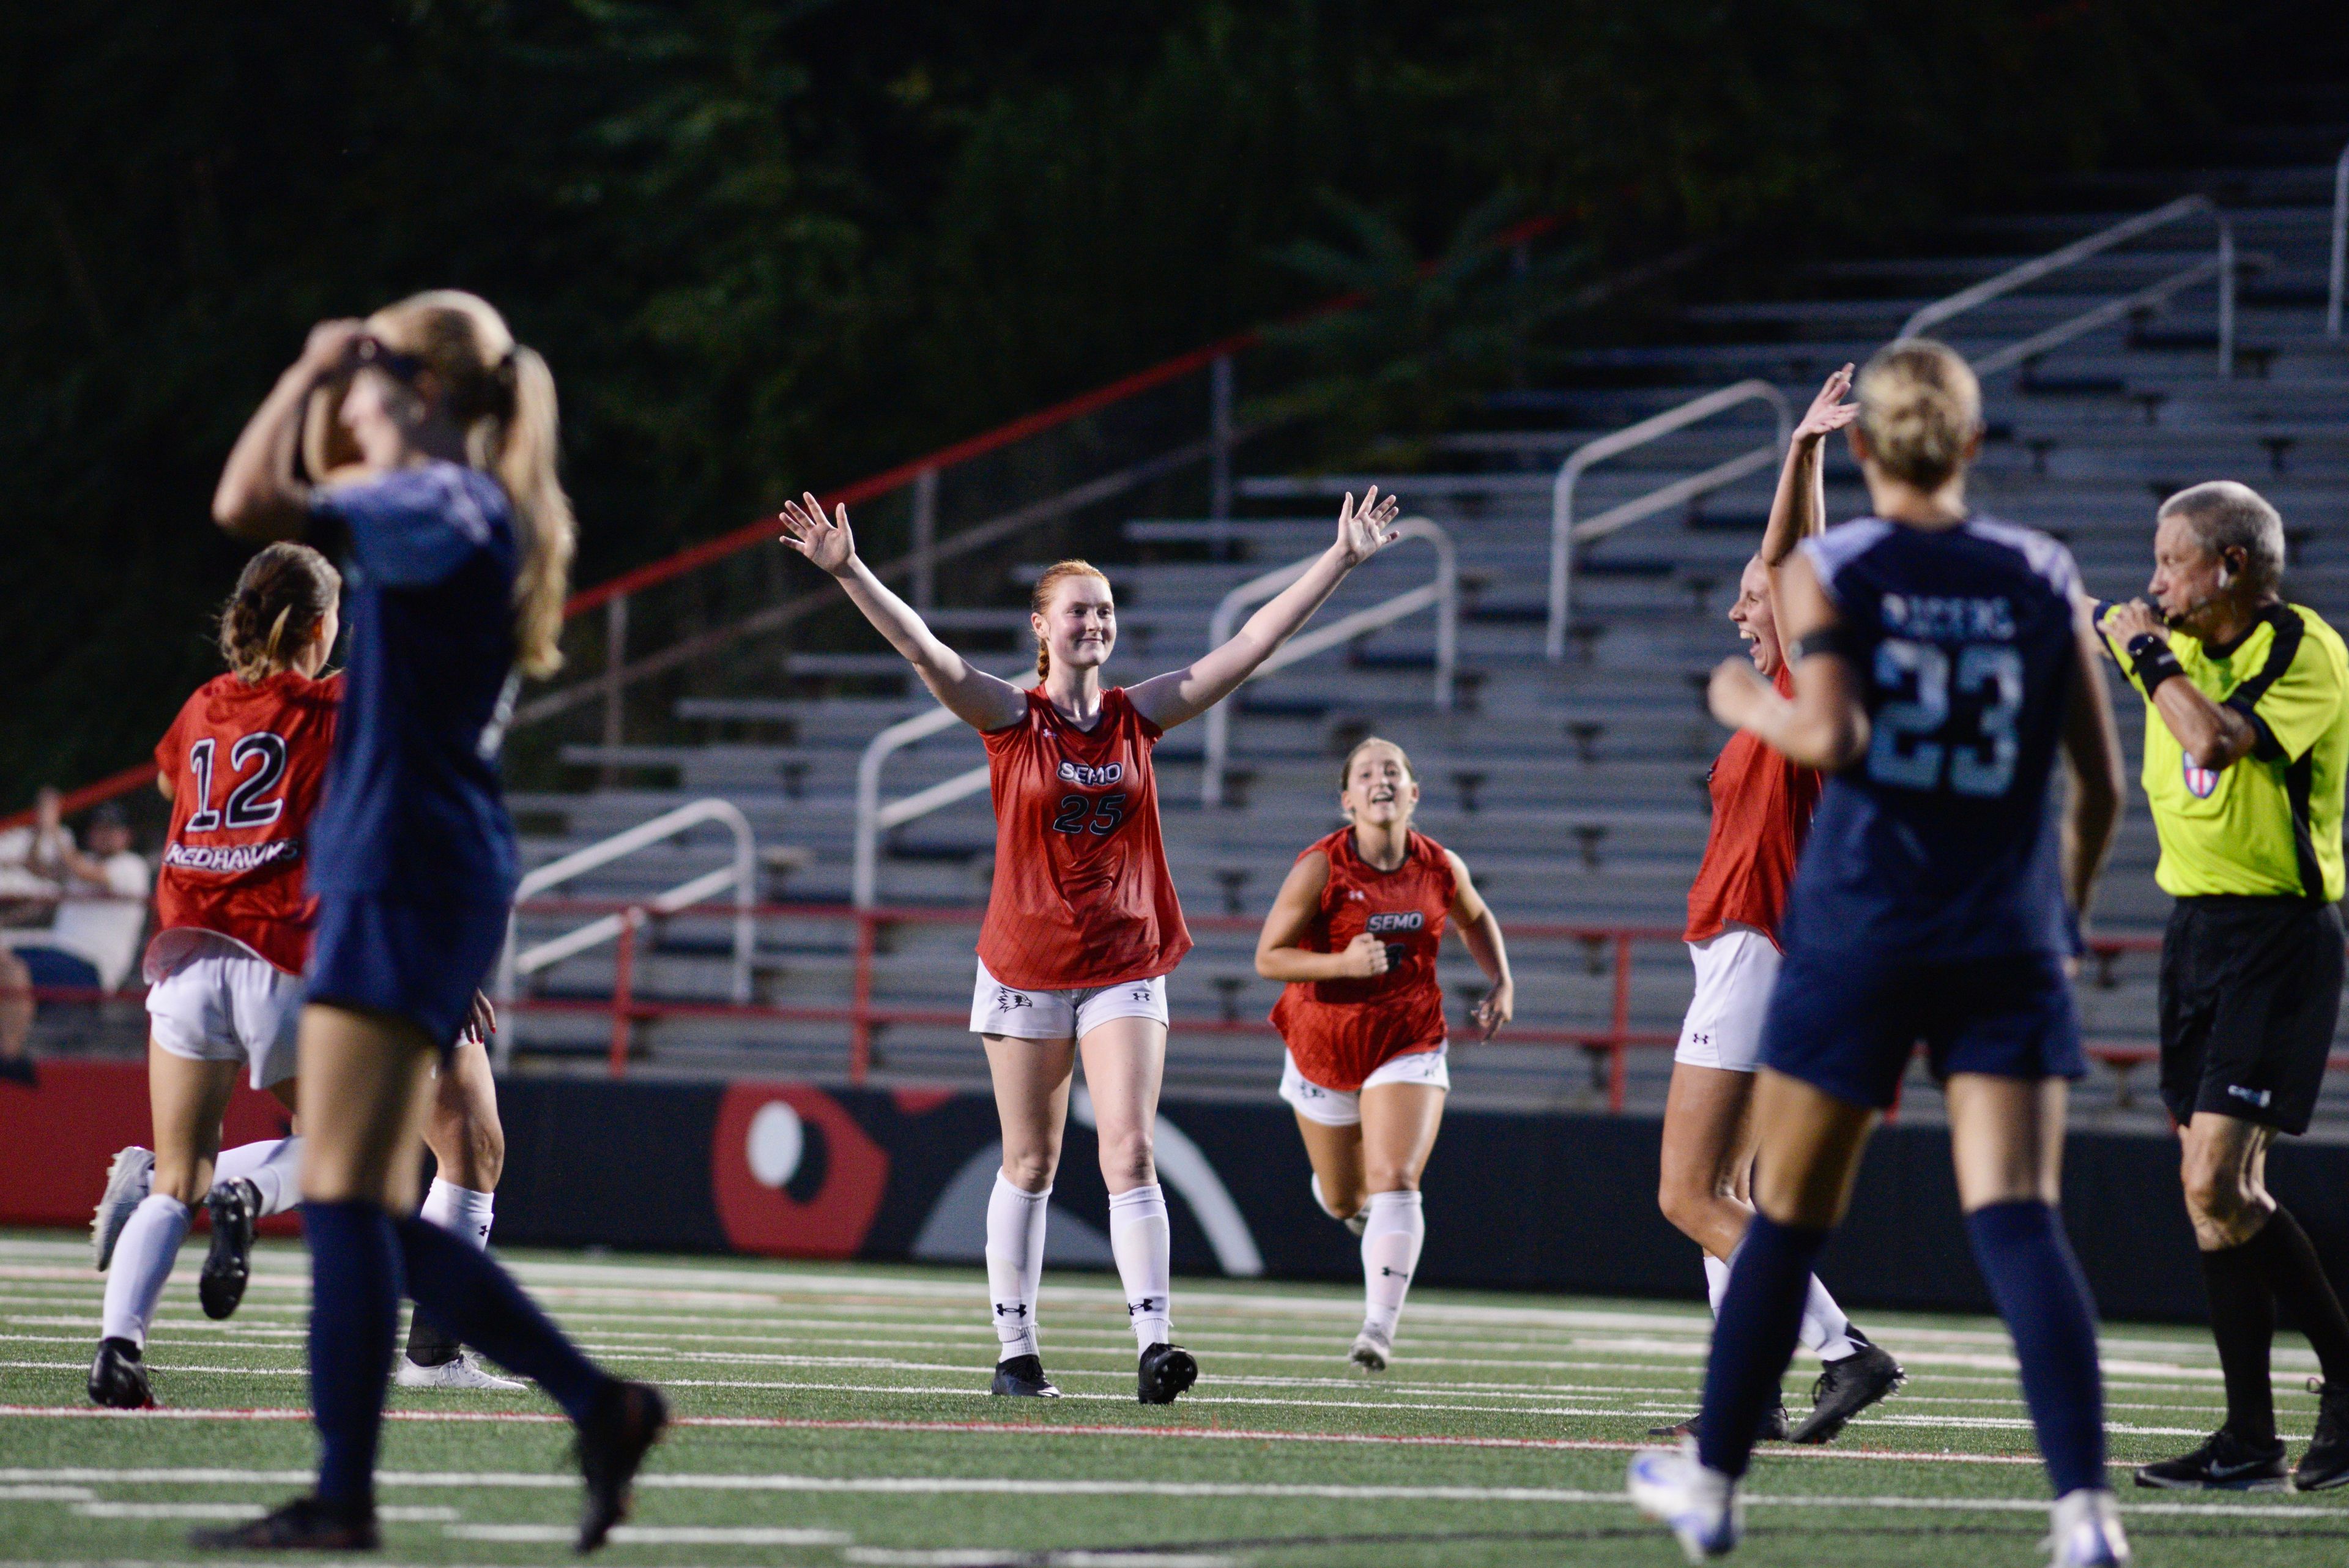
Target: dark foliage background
(770,246)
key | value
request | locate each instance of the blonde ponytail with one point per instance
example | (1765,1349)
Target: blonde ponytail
(1920,408)
(281,597)
(501,393)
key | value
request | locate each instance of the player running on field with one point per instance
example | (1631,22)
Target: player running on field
(458,539)
(1762,806)
(241,765)
(1082,924)
(1354,932)
(1941,663)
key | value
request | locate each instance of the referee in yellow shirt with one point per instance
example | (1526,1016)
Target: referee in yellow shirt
(2246,749)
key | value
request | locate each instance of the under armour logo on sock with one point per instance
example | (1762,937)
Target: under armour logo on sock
(1147,1306)
(1011,1309)
(1386,1273)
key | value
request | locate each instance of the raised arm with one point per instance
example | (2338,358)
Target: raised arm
(1480,930)
(1178,695)
(1799,509)
(2092,750)
(261,496)
(983,702)
(1826,724)
(1278,955)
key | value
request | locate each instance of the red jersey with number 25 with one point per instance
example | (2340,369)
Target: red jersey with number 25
(1762,806)
(1082,896)
(245,762)
(1342,1031)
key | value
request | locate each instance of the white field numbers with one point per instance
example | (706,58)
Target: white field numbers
(1913,746)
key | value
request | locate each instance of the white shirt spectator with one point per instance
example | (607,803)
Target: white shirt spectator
(105,931)
(17,878)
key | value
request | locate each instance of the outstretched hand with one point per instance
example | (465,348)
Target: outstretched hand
(1362,532)
(480,1021)
(1828,412)
(826,541)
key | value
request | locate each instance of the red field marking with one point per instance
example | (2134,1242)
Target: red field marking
(1226,1434)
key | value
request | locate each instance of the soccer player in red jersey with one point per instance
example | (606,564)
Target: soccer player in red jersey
(243,765)
(1354,933)
(1762,806)
(1082,924)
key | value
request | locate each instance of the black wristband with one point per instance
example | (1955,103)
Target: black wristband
(1836,639)
(2153,661)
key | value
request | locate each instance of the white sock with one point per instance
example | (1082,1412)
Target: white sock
(1716,1281)
(1390,1244)
(1015,1263)
(143,1257)
(460,1210)
(1139,1239)
(1825,1328)
(271,1166)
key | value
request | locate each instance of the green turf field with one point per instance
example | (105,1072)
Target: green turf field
(837,1416)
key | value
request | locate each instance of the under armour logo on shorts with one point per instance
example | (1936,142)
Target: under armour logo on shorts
(1142,993)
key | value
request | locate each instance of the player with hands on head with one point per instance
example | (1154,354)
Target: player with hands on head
(1354,933)
(457,539)
(1944,666)
(1082,923)
(1762,806)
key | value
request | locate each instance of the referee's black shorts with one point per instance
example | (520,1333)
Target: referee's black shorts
(2251,991)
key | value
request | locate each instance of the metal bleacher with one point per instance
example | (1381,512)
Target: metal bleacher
(1574,788)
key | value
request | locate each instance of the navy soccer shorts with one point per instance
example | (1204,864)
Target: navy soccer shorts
(1846,1023)
(417,960)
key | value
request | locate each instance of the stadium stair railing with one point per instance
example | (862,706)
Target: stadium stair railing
(2337,275)
(1564,533)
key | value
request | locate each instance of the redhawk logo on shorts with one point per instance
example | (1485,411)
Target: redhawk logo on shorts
(1005,998)
(2200,782)
(1397,921)
(1086,774)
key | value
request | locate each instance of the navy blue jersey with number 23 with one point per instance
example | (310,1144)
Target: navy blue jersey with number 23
(1940,843)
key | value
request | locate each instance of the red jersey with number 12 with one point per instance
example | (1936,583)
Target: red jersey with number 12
(245,762)
(1761,807)
(1082,896)
(1342,1031)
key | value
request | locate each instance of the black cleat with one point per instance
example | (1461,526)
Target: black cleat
(2225,1463)
(305,1524)
(2326,1461)
(1773,1428)
(626,1422)
(1844,1388)
(118,1379)
(1165,1370)
(1022,1377)
(235,1208)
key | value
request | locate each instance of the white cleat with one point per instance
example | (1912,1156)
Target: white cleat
(462,1371)
(1372,1351)
(1700,1506)
(127,1181)
(2087,1532)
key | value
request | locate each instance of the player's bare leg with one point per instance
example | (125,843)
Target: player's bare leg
(469,1148)
(1031,1079)
(1400,1122)
(187,1100)
(1126,1061)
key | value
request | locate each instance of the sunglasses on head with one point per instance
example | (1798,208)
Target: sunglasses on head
(399,367)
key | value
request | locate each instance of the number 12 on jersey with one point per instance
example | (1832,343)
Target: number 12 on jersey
(1918,745)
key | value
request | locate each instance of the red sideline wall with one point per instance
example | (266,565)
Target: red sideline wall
(56,1140)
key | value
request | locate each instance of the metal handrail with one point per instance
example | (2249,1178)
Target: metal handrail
(874,819)
(2103,315)
(2339,277)
(1442,592)
(2055,261)
(1564,530)
(741,875)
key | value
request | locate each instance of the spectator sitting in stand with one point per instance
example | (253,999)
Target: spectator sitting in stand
(92,941)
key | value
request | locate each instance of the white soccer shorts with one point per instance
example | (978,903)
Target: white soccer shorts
(999,1009)
(1339,1109)
(219,1001)
(1734,971)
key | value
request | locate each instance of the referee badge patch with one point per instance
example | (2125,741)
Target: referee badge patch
(2200,782)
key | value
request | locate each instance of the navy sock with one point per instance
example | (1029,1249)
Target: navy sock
(1753,1337)
(470,1298)
(2042,1294)
(354,1312)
